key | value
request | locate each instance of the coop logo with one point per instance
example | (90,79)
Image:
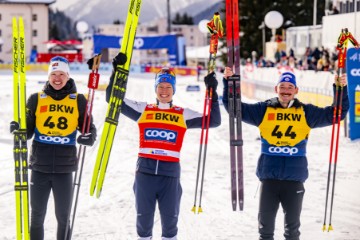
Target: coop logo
(160,135)
(138,43)
(54,140)
(284,150)
(355,72)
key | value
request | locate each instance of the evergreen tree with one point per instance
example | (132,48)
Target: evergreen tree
(182,19)
(252,14)
(61,26)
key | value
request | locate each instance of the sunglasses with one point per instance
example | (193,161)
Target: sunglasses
(59,59)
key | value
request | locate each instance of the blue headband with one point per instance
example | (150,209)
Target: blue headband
(166,77)
(287,77)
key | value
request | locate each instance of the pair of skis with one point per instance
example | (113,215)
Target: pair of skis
(20,136)
(216,30)
(344,37)
(93,84)
(234,93)
(116,100)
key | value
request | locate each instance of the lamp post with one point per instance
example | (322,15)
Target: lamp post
(168,17)
(262,27)
(314,12)
(82,27)
(273,20)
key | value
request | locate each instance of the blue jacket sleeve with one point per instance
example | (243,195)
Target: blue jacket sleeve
(225,97)
(321,117)
(215,118)
(251,113)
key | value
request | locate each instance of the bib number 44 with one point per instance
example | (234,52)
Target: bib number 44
(288,133)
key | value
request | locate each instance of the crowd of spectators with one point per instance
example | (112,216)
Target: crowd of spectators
(313,59)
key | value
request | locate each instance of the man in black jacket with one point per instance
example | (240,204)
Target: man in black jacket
(53,117)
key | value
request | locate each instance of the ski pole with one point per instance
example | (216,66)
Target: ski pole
(348,38)
(92,85)
(216,30)
(194,209)
(343,39)
(341,58)
(208,113)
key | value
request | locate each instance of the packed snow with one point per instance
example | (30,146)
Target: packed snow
(113,215)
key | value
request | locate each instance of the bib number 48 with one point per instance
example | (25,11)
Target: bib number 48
(61,123)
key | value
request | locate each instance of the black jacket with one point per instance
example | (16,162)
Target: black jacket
(53,158)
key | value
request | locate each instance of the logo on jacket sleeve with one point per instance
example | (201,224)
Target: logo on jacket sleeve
(157,134)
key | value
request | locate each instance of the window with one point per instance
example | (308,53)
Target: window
(34,17)
(34,33)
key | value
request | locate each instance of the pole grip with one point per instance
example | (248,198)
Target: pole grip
(93,82)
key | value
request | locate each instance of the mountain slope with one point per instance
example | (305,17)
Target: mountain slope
(106,11)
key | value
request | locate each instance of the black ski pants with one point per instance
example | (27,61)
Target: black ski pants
(40,187)
(290,195)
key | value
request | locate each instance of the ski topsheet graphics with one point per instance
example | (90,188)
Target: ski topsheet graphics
(20,136)
(116,99)
(235,118)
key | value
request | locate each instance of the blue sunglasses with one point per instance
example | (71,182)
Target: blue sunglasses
(60,59)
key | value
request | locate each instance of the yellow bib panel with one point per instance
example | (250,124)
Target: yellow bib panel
(56,121)
(284,131)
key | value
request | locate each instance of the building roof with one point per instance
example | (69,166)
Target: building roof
(28,1)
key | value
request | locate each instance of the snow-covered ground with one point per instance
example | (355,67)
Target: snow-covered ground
(112,216)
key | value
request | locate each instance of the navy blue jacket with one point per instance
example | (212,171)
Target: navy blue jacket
(134,109)
(292,168)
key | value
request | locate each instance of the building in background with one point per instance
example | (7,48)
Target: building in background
(36,20)
(191,33)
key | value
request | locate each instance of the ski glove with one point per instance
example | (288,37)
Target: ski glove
(90,63)
(14,126)
(119,59)
(86,139)
(211,82)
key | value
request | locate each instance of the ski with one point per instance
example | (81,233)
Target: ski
(93,84)
(235,126)
(116,99)
(20,136)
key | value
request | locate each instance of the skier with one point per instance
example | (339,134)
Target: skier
(53,116)
(284,123)
(162,127)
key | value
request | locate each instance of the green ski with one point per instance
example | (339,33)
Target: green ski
(20,136)
(116,99)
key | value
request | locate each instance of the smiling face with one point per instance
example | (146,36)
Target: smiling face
(164,92)
(58,79)
(286,92)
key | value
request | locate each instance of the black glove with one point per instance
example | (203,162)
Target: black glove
(14,126)
(86,139)
(211,82)
(119,59)
(90,63)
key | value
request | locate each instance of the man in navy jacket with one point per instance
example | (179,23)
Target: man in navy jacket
(284,124)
